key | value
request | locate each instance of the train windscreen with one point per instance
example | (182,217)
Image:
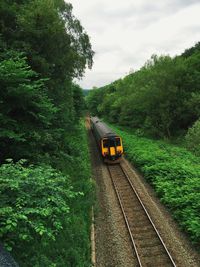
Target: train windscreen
(118,143)
(112,143)
(105,143)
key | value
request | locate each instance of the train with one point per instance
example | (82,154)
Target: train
(109,143)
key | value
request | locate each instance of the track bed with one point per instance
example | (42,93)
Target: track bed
(146,240)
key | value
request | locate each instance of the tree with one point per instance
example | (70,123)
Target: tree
(26,111)
(54,40)
(161,99)
(58,49)
(78,100)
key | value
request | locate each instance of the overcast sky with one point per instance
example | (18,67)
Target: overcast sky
(125,33)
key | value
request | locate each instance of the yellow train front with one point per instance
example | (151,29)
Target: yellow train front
(110,144)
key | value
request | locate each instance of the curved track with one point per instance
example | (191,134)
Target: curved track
(147,243)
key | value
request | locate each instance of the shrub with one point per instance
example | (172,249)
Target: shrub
(34,204)
(193,138)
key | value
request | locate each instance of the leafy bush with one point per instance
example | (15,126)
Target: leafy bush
(193,138)
(175,174)
(33,201)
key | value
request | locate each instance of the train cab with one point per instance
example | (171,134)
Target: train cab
(110,144)
(112,147)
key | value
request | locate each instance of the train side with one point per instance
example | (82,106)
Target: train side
(110,144)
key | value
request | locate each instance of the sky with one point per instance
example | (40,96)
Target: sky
(125,33)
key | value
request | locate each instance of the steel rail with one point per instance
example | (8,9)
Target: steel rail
(152,223)
(146,212)
(125,218)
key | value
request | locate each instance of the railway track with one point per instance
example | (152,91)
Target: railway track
(148,245)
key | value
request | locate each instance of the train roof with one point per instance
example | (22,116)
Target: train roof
(102,128)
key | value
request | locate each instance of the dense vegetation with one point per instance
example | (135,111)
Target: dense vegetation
(174,172)
(162,99)
(45,187)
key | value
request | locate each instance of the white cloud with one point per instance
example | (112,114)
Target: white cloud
(124,34)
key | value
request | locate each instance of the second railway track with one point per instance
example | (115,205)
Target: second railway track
(148,245)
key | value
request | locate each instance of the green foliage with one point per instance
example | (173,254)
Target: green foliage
(34,200)
(74,242)
(193,138)
(189,52)
(80,169)
(24,106)
(55,47)
(78,100)
(175,174)
(42,48)
(93,100)
(53,39)
(40,208)
(161,99)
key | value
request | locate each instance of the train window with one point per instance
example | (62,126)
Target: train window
(118,143)
(112,142)
(105,143)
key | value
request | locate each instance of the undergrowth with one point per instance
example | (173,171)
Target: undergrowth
(45,211)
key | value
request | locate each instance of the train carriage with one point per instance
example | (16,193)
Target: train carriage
(110,144)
